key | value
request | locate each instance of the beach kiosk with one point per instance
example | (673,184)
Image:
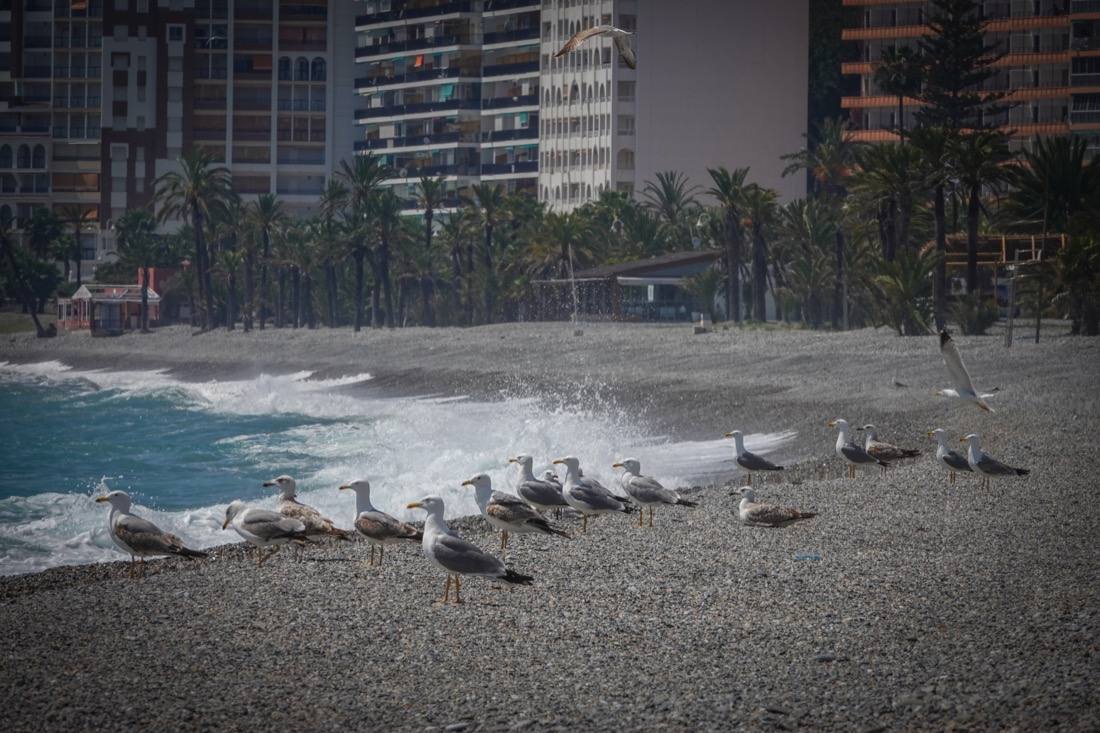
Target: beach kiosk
(106,310)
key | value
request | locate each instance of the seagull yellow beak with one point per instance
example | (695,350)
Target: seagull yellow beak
(414,505)
(467,483)
(831,423)
(728,435)
(269,483)
(225,524)
(931,434)
(100,499)
(556,461)
(617,465)
(344,487)
(962,440)
(513,460)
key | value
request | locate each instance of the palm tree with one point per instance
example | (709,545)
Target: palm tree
(488,199)
(829,161)
(978,162)
(456,233)
(77,218)
(266,216)
(889,179)
(728,189)
(430,196)
(195,193)
(17,276)
(760,211)
(903,291)
(899,74)
(934,144)
(230,262)
(138,247)
(808,226)
(643,234)
(1053,184)
(330,243)
(562,240)
(362,177)
(42,230)
(673,200)
(387,212)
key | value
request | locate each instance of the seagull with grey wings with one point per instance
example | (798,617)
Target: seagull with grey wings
(137,537)
(750,511)
(618,35)
(264,528)
(647,491)
(379,528)
(853,454)
(748,460)
(964,387)
(949,459)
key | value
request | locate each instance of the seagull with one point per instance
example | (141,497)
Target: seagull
(544,495)
(618,35)
(264,528)
(852,453)
(645,491)
(964,388)
(289,506)
(750,461)
(954,393)
(949,458)
(979,462)
(139,537)
(587,495)
(378,527)
(884,451)
(770,515)
(455,555)
(506,512)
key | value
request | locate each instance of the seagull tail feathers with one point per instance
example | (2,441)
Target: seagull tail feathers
(546,528)
(685,502)
(511,576)
(1022,471)
(341,534)
(189,553)
(884,464)
(984,405)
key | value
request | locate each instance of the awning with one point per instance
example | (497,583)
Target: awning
(643,281)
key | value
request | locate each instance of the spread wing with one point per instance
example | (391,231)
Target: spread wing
(856,454)
(753,462)
(145,538)
(626,51)
(271,525)
(957,370)
(543,493)
(580,37)
(460,556)
(381,526)
(649,490)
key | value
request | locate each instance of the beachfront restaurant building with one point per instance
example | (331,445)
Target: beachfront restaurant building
(654,289)
(106,310)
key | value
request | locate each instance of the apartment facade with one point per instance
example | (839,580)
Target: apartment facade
(1050,71)
(449,88)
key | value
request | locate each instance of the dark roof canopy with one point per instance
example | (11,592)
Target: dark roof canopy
(674,264)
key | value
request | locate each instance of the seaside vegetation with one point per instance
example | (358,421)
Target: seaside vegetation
(866,246)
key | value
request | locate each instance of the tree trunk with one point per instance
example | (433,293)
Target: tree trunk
(839,321)
(733,269)
(490,279)
(145,299)
(201,269)
(357,255)
(25,293)
(456,286)
(759,275)
(940,281)
(67,269)
(330,291)
(296,295)
(469,282)
(281,297)
(307,301)
(262,306)
(384,272)
(231,303)
(375,304)
(901,117)
(427,314)
(973,215)
(79,257)
(249,290)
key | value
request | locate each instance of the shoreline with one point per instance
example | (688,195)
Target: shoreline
(932,606)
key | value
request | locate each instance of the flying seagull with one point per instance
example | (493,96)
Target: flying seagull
(289,506)
(264,528)
(587,495)
(948,458)
(987,466)
(456,556)
(851,453)
(139,537)
(747,460)
(964,387)
(542,494)
(769,515)
(882,450)
(378,527)
(646,491)
(617,34)
(506,512)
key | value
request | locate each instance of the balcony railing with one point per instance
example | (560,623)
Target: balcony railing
(410,13)
(411,76)
(216,73)
(1083,117)
(36,72)
(525,133)
(506,69)
(491,5)
(460,169)
(204,134)
(409,109)
(252,105)
(262,135)
(526,166)
(302,105)
(523,100)
(1085,6)
(36,42)
(209,103)
(438,138)
(302,12)
(523,34)
(1085,80)
(412,44)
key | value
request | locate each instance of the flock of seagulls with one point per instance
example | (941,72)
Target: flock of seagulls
(526,511)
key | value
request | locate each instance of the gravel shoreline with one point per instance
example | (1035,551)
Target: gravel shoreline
(931,606)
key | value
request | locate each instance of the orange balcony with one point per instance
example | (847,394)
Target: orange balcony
(883,33)
(1014,95)
(1020,130)
(870,3)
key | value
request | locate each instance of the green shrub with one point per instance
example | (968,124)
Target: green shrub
(973,314)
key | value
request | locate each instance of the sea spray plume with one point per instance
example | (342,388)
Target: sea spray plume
(378,527)
(263,528)
(646,491)
(506,512)
(454,555)
(139,537)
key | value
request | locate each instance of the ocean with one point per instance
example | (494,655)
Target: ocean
(183,450)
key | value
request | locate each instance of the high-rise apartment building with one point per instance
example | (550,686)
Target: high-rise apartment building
(449,88)
(718,82)
(1050,70)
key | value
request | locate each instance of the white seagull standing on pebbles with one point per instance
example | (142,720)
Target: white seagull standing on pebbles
(852,453)
(618,35)
(378,527)
(964,387)
(769,515)
(289,506)
(646,491)
(506,512)
(264,528)
(139,537)
(544,495)
(749,461)
(587,495)
(987,466)
(457,557)
(948,458)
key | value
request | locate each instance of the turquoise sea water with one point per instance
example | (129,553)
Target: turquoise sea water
(183,450)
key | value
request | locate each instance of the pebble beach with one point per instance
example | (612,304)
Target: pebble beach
(908,603)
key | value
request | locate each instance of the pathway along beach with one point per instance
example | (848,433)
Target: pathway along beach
(931,607)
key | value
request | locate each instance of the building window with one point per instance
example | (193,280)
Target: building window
(301,72)
(120,152)
(318,70)
(626,91)
(5,156)
(626,125)
(38,160)
(120,60)
(284,69)
(175,33)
